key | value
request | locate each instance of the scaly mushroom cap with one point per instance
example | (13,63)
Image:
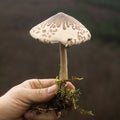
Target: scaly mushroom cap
(61,28)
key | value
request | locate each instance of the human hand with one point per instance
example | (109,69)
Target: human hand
(16,102)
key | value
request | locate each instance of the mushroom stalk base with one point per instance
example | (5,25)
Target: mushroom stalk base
(63,74)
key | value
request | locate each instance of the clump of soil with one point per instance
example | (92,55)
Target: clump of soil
(65,99)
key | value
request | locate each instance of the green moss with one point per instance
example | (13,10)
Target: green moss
(65,99)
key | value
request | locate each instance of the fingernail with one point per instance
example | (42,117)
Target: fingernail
(52,89)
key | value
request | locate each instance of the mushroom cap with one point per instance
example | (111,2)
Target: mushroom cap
(61,28)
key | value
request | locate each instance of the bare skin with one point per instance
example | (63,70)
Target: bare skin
(15,103)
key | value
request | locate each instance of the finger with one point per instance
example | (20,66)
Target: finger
(70,85)
(59,115)
(44,116)
(38,83)
(29,115)
(47,116)
(40,95)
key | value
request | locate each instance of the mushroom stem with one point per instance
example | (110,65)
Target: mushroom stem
(63,74)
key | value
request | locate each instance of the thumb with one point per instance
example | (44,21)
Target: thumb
(41,95)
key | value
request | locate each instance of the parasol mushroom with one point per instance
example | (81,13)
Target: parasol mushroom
(65,30)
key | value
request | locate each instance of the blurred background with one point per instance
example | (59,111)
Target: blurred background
(97,61)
